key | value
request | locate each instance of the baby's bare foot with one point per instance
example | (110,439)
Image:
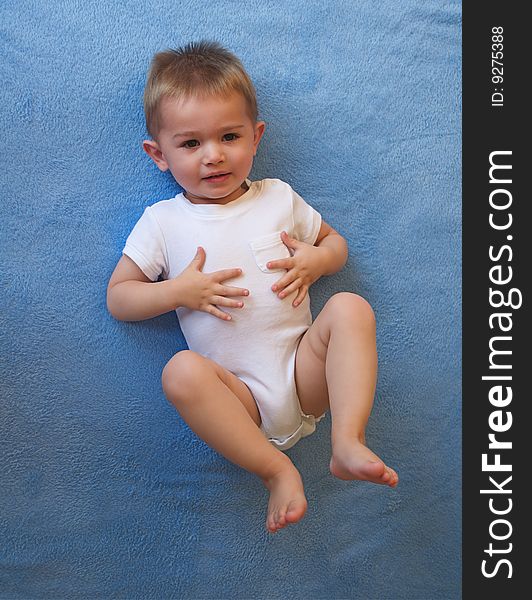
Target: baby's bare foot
(354,460)
(287,498)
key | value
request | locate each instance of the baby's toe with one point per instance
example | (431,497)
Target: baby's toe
(295,512)
(270,523)
(373,469)
(394,478)
(390,477)
(275,521)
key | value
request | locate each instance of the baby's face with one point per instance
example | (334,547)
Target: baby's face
(208,144)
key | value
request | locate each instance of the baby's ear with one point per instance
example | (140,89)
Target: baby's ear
(154,152)
(260,126)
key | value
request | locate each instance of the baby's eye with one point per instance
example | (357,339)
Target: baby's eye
(191,143)
(229,137)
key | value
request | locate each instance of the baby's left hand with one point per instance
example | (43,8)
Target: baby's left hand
(304,267)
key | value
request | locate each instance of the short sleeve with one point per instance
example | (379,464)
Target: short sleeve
(307,220)
(146,246)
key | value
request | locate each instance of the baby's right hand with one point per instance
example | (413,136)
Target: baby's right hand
(205,292)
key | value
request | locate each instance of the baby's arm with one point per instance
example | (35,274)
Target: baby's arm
(336,246)
(132,296)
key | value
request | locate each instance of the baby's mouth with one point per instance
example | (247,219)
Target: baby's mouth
(217,177)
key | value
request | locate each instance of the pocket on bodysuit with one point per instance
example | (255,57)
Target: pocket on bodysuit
(269,247)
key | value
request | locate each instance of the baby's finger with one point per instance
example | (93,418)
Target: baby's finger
(219,276)
(295,285)
(216,312)
(285,280)
(299,298)
(221,301)
(282,263)
(229,290)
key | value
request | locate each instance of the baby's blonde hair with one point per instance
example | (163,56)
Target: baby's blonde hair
(198,69)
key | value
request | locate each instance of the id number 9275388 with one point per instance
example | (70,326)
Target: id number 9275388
(497,66)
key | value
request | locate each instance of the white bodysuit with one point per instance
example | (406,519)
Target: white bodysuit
(259,344)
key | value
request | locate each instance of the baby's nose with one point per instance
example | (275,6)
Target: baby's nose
(213,154)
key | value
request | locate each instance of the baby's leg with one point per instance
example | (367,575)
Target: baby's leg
(220,409)
(336,368)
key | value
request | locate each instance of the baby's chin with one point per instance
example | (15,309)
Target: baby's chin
(212,196)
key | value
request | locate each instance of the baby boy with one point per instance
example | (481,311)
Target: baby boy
(235,259)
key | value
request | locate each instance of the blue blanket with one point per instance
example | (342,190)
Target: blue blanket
(104,491)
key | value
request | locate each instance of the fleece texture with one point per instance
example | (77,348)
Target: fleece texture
(104,491)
